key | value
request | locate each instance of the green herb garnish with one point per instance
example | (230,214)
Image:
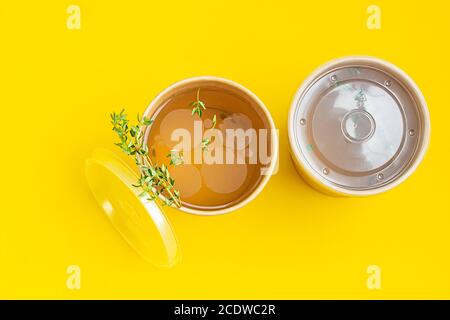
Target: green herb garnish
(176,157)
(214,120)
(205,143)
(198,106)
(154,181)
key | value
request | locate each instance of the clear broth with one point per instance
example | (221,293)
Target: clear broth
(207,186)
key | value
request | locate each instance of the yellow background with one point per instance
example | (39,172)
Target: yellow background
(58,87)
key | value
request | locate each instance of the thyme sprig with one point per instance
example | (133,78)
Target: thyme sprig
(154,180)
(176,157)
(205,144)
(198,106)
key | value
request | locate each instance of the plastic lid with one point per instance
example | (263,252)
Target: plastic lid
(141,222)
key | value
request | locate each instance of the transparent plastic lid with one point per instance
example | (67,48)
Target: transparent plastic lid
(141,222)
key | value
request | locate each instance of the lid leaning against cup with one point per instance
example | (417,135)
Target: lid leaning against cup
(358,126)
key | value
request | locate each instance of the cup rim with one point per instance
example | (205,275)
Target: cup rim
(270,169)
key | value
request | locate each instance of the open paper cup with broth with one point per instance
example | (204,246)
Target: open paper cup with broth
(206,146)
(218,140)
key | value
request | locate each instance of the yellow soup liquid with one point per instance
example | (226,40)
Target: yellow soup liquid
(208,185)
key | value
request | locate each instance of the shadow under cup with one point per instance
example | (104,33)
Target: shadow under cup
(224,157)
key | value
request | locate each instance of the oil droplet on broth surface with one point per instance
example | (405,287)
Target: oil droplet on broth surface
(174,120)
(188,179)
(202,185)
(224,178)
